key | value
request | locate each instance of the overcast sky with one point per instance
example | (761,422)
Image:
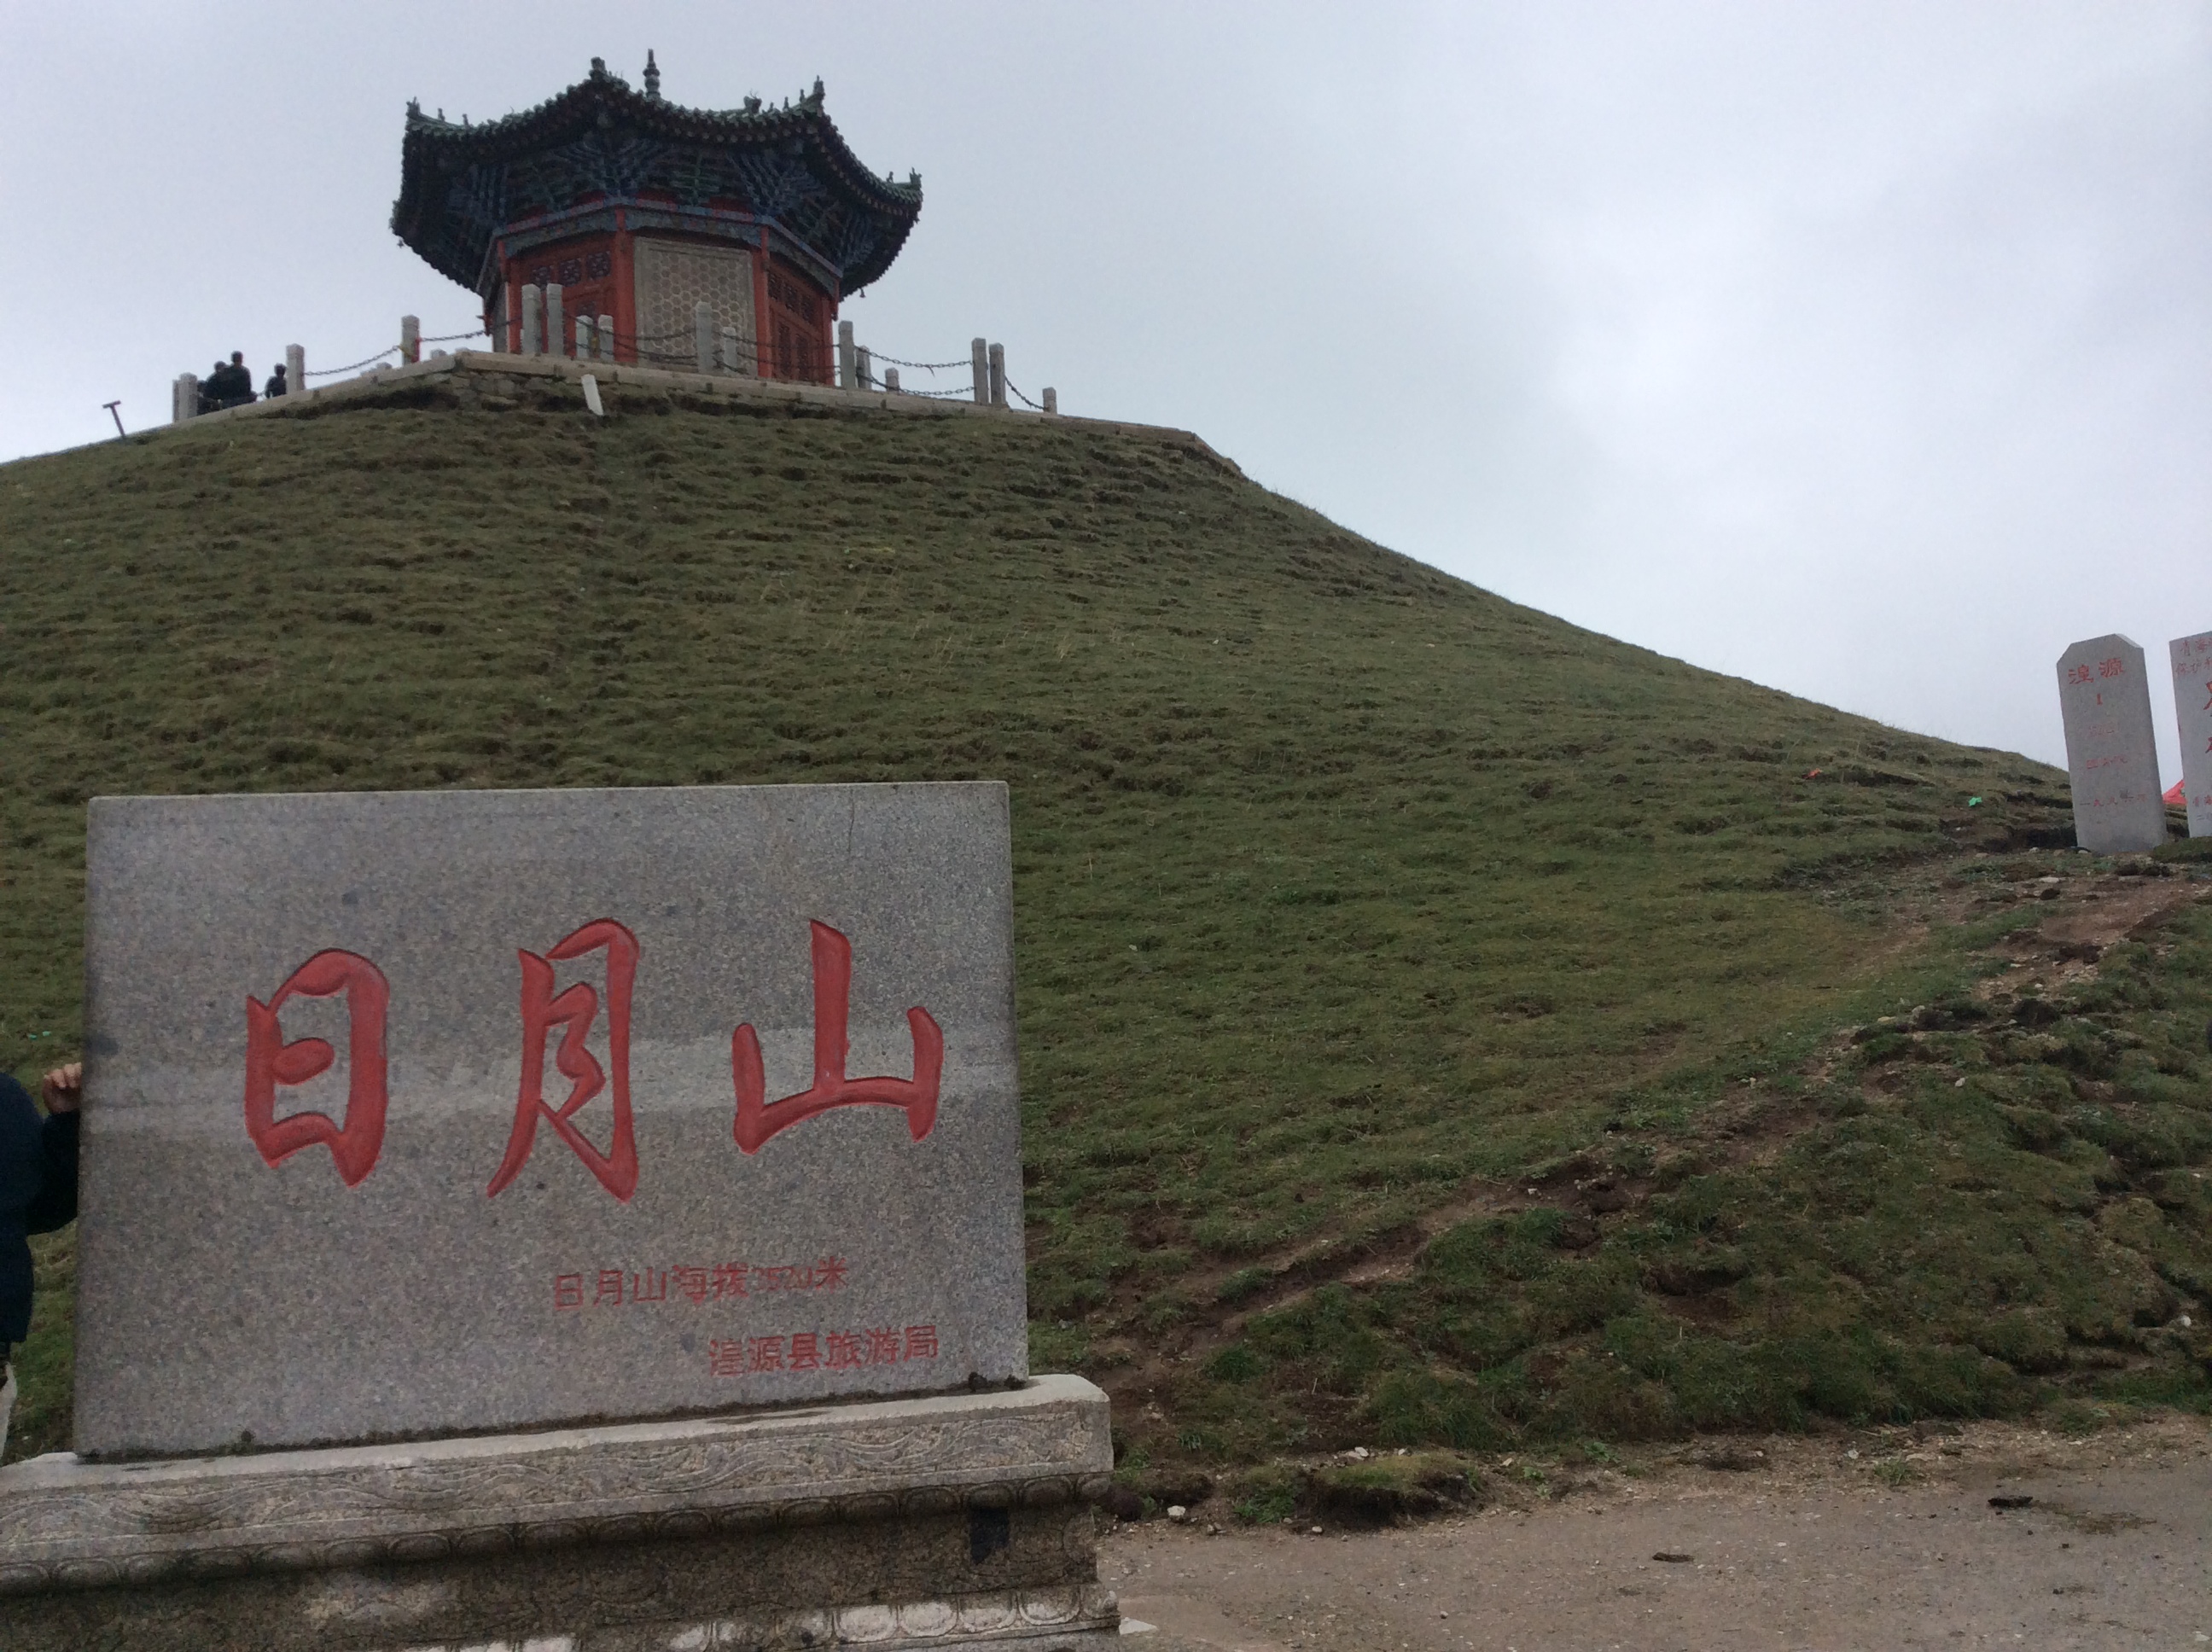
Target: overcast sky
(1860,349)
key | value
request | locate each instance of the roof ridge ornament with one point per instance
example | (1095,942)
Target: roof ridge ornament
(652,76)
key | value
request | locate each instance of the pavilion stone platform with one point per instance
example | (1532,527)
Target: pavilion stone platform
(465,1259)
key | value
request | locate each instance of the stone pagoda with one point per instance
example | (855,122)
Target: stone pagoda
(605,202)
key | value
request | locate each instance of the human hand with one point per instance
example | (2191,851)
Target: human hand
(64,1088)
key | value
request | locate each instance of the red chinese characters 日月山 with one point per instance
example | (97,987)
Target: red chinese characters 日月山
(758,1118)
(573,1011)
(269,1062)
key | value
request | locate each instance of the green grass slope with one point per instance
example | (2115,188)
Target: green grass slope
(1429,1009)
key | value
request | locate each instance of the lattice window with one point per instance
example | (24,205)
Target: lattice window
(672,277)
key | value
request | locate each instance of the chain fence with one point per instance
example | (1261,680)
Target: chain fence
(353,367)
(748,356)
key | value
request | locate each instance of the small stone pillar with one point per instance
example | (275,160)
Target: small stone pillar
(410,340)
(730,361)
(2112,748)
(702,328)
(533,305)
(891,380)
(295,370)
(864,369)
(844,379)
(980,352)
(184,398)
(585,331)
(556,326)
(998,375)
(1051,399)
(606,339)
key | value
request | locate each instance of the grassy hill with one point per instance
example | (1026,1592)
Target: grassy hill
(1436,1020)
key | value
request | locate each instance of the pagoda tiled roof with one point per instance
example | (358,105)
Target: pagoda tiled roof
(461,185)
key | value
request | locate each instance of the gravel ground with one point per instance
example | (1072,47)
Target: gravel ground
(1896,1546)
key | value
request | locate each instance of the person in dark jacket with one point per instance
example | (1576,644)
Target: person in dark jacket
(38,1194)
(275,386)
(231,384)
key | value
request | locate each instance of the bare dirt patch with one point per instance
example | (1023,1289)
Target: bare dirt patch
(1880,1539)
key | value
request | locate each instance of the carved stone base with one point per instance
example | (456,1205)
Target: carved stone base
(943,1523)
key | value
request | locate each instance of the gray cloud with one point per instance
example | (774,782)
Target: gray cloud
(1860,349)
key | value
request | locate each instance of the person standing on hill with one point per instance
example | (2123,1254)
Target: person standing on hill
(231,384)
(38,1194)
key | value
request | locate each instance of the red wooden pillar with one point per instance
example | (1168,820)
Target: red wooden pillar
(625,284)
(762,364)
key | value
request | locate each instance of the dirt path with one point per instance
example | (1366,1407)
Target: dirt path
(2115,1551)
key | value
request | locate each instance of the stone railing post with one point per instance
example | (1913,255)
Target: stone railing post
(184,399)
(998,375)
(556,326)
(864,369)
(410,340)
(1051,399)
(606,339)
(844,379)
(585,331)
(533,307)
(702,330)
(891,380)
(730,350)
(295,370)
(981,353)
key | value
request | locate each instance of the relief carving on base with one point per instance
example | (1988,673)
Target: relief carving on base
(1020,1620)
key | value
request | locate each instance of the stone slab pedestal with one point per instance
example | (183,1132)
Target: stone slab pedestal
(961,1521)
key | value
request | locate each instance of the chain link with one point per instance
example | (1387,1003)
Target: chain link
(324,372)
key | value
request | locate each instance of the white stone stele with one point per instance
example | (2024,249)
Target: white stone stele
(2111,748)
(591,396)
(2192,706)
(482,1270)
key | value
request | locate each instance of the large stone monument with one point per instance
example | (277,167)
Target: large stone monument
(576,1219)
(2112,752)
(2192,707)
